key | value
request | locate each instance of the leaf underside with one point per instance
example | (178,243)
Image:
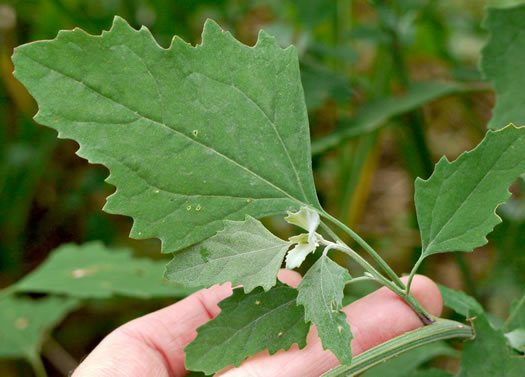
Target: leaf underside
(247,324)
(95,271)
(321,294)
(191,135)
(456,205)
(23,322)
(244,253)
(502,63)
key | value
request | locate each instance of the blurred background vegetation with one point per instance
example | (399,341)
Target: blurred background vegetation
(395,83)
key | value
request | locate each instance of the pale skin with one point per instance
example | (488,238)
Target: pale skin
(153,345)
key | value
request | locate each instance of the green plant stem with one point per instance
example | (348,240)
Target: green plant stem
(38,366)
(440,330)
(413,272)
(367,248)
(331,233)
(425,317)
(361,278)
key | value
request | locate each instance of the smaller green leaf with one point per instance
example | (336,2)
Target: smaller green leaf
(306,218)
(460,302)
(456,205)
(303,247)
(247,324)
(244,253)
(95,271)
(321,294)
(23,323)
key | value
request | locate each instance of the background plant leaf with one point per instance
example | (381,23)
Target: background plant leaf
(321,294)
(372,115)
(456,205)
(244,253)
(516,317)
(487,354)
(460,302)
(95,271)
(191,135)
(501,63)
(24,321)
(263,320)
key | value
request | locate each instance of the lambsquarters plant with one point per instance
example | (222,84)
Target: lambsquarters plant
(203,141)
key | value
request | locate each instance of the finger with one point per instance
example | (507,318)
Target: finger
(153,345)
(374,319)
(289,277)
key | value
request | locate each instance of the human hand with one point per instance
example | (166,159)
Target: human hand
(153,345)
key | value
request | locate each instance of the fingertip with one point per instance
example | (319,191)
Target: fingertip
(427,293)
(289,277)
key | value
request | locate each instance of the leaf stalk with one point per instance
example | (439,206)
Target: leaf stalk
(425,317)
(380,261)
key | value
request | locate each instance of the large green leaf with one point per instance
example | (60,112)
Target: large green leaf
(456,205)
(488,354)
(502,63)
(191,135)
(244,253)
(247,324)
(94,271)
(460,302)
(23,323)
(321,294)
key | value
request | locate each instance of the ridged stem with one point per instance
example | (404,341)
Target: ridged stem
(441,329)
